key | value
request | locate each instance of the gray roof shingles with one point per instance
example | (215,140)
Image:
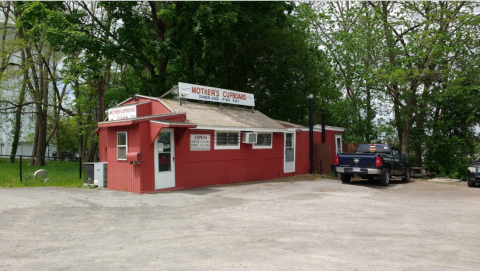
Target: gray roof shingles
(222,116)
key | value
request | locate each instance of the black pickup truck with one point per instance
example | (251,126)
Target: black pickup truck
(473,173)
(372,161)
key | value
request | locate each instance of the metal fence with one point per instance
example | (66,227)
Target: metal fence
(20,171)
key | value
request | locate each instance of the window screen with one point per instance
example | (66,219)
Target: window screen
(264,140)
(373,149)
(227,140)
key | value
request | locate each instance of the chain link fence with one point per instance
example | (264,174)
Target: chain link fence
(19,171)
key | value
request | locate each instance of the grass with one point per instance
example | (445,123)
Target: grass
(60,173)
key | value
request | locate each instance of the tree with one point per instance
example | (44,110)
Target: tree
(422,57)
(347,33)
(148,47)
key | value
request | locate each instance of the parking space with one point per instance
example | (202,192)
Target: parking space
(289,224)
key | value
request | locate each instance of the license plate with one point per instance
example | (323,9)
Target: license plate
(357,169)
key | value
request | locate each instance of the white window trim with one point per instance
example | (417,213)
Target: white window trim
(254,146)
(126,145)
(227,147)
(341,143)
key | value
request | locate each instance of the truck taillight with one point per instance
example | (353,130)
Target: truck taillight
(337,160)
(378,161)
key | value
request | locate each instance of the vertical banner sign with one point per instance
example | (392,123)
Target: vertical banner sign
(121,113)
(212,94)
(199,142)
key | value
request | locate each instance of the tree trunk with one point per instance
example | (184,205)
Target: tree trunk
(41,118)
(40,96)
(92,151)
(370,116)
(18,113)
(100,99)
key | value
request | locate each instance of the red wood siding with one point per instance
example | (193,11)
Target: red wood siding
(330,137)
(201,168)
(158,108)
(122,175)
(302,159)
(302,152)
(144,110)
(197,168)
(155,107)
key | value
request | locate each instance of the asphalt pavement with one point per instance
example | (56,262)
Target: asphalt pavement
(299,223)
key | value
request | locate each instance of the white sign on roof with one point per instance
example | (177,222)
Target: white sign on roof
(212,94)
(121,113)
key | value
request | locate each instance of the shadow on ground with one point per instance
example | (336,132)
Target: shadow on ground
(375,183)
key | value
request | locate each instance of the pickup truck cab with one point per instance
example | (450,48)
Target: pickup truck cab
(372,161)
(473,173)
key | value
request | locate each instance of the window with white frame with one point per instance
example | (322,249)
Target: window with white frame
(264,141)
(338,143)
(122,145)
(227,140)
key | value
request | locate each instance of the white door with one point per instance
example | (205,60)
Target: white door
(338,144)
(164,151)
(289,159)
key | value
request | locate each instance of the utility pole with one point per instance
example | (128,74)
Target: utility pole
(310,97)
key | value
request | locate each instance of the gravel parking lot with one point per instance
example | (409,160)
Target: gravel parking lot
(296,223)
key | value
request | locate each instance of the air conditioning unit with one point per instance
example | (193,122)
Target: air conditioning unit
(96,174)
(249,137)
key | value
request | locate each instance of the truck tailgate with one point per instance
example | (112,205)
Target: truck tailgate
(361,160)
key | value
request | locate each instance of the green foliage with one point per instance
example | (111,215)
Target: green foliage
(451,136)
(147,47)
(68,134)
(347,34)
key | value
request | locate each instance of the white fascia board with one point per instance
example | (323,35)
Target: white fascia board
(328,128)
(244,129)
(157,99)
(146,97)
(172,122)
(122,102)
(318,128)
(125,105)
(141,118)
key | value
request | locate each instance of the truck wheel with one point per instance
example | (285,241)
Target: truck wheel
(345,178)
(407,175)
(470,183)
(385,178)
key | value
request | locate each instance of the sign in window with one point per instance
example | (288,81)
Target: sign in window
(200,142)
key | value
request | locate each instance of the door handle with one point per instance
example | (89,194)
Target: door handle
(173,159)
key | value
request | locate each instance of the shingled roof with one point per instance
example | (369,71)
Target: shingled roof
(222,116)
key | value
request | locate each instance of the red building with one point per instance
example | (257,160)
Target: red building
(153,144)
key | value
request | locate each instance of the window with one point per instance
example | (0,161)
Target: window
(122,145)
(289,147)
(338,143)
(372,148)
(227,140)
(264,141)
